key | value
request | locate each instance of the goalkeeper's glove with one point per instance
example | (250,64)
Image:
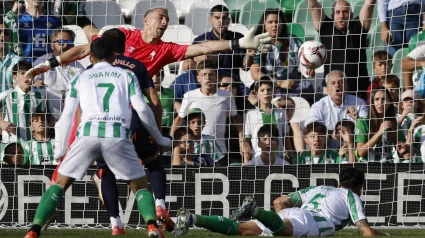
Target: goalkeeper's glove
(258,42)
(43,67)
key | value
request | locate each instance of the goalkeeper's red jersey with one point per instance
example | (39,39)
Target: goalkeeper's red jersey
(154,57)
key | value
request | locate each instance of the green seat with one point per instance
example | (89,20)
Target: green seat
(374,39)
(303,17)
(252,11)
(235,7)
(358,7)
(296,30)
(289,6)
(397,58)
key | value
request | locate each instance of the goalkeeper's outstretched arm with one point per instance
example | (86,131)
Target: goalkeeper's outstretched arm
(366,230)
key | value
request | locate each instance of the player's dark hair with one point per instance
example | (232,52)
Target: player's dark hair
(22,65)
(346,123)
(219,8)
(316,127)
(118,37)
(351,178)
(205,64)
(382,55)
(269,130)
(181,131)
(100,49)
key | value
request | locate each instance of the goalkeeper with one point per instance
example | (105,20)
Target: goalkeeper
(314,211)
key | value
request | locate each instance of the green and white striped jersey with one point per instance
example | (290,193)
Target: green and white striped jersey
(208,146)
(17,107)
(331,207)
(104,93)
(40,152)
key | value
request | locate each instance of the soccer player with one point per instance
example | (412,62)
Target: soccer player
(104,94)
(314,211)
(147,46)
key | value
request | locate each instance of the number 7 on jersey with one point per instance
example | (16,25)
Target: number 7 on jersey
(110,88)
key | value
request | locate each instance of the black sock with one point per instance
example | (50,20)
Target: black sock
(36,229)
(157,178)
(110,193)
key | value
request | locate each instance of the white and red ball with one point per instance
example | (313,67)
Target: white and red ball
(312,54)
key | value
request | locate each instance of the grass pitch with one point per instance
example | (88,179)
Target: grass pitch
(89,233)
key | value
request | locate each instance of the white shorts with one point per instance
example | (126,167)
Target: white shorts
(119,154)
(302,222)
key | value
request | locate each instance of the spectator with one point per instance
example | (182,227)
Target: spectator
(268,142)
(345,130)
(345,41)
(204,144)
(294,139)
(166,96)
(264,114)
(183,150)
(13,154)
(382,65)
(34,28)
(73,13)
(216,104)
(392,84)
(379,138)
(57,80)
(315,138)
(40,147)
(281,61)
(413,61)
(336,106)
(400,21)
(231,60)
(7,58)
(17,105)
(409,111)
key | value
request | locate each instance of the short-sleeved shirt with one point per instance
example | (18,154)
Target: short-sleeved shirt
(17,106)
(40,152)
(275,67)
(257,161)
(153,56)
(34,33)
(6,66)
(381,151)
(329,157)
(337,205)
(104,94)
(230,60)
(346,51)
(184,83)
(216,109)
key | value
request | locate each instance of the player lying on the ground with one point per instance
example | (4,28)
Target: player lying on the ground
(104,94)
(314,211)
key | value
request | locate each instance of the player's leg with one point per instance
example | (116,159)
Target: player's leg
(270,219)
(147,151)
(121,158)
(72,168)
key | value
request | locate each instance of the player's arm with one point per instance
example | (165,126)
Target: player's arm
(71,55)
(281,203)
(155,104)
(317,13)
(366,230)
(365,15)
(248,42)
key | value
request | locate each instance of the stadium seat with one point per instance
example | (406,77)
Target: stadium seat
(397,58)
(374,38)
(245,77)
(375,19)
(235,7)
(180,34)
(289,6)
(303,17)
(198,16)
(238,28)
(182,7)
(296,30)
(80,39)
(104,13)
(142,6)
(252,11)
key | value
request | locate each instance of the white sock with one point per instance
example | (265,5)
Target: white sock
(116,221)
(160,202)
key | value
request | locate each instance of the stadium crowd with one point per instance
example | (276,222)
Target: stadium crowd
(214,115)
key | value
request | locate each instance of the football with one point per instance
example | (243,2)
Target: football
(312,54)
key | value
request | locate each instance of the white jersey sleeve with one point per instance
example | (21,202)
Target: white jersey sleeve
(355,207)
(300,197)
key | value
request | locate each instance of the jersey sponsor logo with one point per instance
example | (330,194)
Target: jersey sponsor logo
(39,40)
(26,24)
(114,118)
(152,54)
(131,49)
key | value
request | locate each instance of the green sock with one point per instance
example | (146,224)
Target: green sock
(270,220)
(146,205)
(48,204)
(217,224)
